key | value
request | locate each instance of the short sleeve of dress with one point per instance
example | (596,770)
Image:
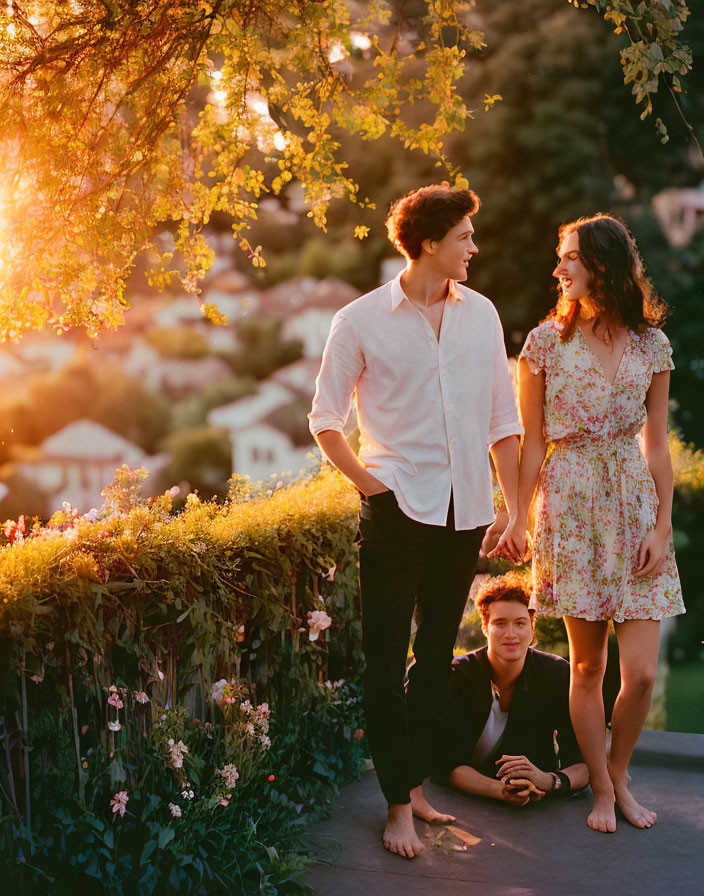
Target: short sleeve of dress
(661,352)
(536,350)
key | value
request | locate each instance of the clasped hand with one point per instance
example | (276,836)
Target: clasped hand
(522,781)
(512,542)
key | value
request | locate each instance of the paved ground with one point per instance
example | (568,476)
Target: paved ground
(544,849)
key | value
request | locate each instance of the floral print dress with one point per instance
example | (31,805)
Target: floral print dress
(596,497)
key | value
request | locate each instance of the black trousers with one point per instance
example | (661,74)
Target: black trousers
(404,566)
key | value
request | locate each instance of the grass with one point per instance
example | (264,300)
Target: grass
(685,693)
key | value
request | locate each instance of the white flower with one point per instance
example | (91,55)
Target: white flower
(176,751)
(249,728)
(114,726)
(265,742)
(246,706)
(187,794)
(92,515)
(175,810)
(218,691)
(318,621)
(141,697)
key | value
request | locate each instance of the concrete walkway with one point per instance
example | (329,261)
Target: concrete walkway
(544,849)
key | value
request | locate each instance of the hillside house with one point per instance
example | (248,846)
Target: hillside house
(76,463)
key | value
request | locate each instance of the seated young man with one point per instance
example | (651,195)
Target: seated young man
(509,734)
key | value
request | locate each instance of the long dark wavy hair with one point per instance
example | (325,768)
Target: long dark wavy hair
(619,287)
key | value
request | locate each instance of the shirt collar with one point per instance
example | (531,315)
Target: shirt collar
(398,295)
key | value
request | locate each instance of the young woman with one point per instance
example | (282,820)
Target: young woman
(593,387)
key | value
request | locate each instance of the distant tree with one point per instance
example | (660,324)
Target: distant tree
(202,458)
(23,495)
(52,400)
(292,419)
(119,118)
(262,349)
(178,342)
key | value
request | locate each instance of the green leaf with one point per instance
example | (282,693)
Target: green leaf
(166,835)
(149,848)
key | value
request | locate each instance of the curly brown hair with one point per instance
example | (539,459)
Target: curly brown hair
(427,214)
(511,586)
(620,288)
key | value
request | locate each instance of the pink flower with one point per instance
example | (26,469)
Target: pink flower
(330,574)
(92,515)
(14,531)
(175,810)
(230,775)
(358,734)
(114,726)
(10,527)
(318,621)
(114,700)
(141,697)
(119,802)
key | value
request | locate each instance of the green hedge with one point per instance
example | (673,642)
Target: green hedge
(121,769)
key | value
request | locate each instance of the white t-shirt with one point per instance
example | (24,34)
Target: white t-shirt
(493,730)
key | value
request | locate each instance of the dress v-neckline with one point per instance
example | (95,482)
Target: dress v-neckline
(597,362)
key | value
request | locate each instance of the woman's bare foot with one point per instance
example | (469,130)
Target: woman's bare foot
(422,809)
(603,814)
(638,815)
(400,834)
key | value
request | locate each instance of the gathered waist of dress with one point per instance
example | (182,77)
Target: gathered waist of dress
(620,443)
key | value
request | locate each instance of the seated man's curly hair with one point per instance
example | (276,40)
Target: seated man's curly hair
(511,587)
(427,214)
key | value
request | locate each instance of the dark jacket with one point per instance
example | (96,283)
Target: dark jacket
(539,707)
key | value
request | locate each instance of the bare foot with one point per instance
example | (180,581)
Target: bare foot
(422,809)
(400,834)
(603,815)
(638,815)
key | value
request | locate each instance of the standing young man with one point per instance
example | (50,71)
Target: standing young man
(425,360)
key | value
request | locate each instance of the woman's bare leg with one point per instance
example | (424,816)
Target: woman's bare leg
(588,648)
(638,645)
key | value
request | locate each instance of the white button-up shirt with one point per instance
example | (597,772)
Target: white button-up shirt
(427,408)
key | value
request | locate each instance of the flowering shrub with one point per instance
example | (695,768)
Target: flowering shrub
(161,688)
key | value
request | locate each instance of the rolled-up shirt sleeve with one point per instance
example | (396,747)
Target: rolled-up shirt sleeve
(504,414)
(341,368)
